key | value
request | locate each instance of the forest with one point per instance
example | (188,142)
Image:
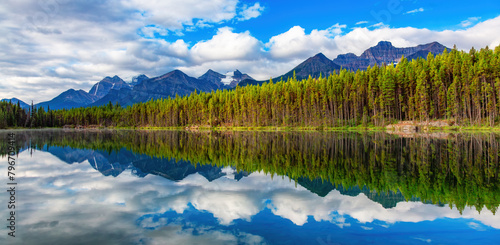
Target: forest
(460,86)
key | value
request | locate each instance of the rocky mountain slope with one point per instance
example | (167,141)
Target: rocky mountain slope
(385,53)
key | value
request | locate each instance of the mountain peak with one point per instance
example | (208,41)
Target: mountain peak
(320,55)
(167,85)
(15,100)
(211,72)
(318,58)
(103,87)
(384,44)
(230,79)
(176,72)
(238,76)
(237,73)
(433,47)
(113,78)
(212,77)
(138,79)
(313,66)
(68,99)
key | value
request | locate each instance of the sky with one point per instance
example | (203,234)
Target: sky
(49,46)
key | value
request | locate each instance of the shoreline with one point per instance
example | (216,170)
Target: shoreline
(444,129)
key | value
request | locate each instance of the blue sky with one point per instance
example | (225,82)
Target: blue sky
(49,46)
(321,14)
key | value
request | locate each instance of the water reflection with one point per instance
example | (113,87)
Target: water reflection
(136,198)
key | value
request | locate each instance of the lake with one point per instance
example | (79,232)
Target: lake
(179,187)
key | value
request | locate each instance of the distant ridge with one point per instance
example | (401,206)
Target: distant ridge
(314,67)
(68,99)
(169,85)
(15,100)
(142,88)
(383,53)
(78,98)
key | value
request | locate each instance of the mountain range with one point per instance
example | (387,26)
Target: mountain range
(143,88)
(22,104)
(383,53)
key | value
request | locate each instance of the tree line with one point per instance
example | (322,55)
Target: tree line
(456,85)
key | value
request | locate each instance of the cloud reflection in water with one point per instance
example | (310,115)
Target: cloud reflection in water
(74,204)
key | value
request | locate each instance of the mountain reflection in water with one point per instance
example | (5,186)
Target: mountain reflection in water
(255,188)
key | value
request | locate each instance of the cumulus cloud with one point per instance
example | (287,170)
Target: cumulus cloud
(75,44)
(52,46)
(175,14)
(178,235)
(251,12)
(296,43)
(152,31)
(226,45)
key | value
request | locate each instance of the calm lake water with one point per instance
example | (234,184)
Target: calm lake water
(168,187)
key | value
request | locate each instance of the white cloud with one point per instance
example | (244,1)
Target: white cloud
(362,22)
(152,31)
(251,12)
(415,11)
(296,43)
(77,45)
(476,226)
(49,49)
(380,24)
(226,45)
(175,14)
(176,234)
(228,206)
(470,21)
(423,239)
